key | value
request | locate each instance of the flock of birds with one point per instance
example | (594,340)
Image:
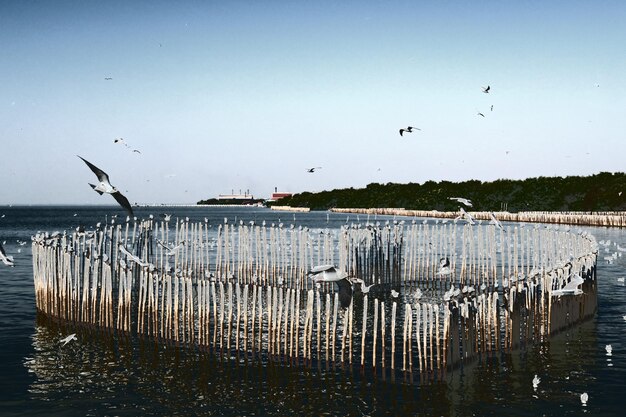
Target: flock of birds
(410,129)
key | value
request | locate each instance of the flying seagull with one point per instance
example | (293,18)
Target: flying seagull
(7,260)
(495,221)
(68,339)
(480,114)
(330,273)
(409,129)
(465,215)
(462,200)
(486,89)
(105,187)
(364,287)
(108,78)
(312,169)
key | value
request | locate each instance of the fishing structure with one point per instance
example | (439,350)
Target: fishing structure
(459,290)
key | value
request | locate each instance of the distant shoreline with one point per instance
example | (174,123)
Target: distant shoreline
(583,218)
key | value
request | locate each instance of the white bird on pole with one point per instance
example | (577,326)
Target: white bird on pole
(330,273)
(444,266)
(105,187)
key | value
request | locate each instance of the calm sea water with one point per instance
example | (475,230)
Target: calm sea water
(102,375)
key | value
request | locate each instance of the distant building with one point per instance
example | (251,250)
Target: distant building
(276,195)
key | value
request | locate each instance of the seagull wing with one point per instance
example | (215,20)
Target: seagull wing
(123,201)
(322,268)
(102,176)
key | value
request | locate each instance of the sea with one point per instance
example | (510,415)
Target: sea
(104,374)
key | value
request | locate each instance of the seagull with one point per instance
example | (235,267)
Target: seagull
(536,381)
(68,339)
(7,260)
(492,107)
(462,200)
(495,221)
(108,78)
(465,215)
(105,187)
(312,169)
(571,288)
(395,293)
(409,129)
(609,350)
(330,273)
(166,217)
(444,266)
(364,288)
(486,89)
(584,398)
(480,114)
(132,257)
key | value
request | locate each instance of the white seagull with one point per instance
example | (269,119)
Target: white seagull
(364,288)
(495,221)
(536,381)
(7,260)
(462,200)
(105,187)
(609,350)
(584,398)
(68,339)
(444,266)
(466,216)
(330,273)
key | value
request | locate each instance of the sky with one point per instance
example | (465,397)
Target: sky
(246,95)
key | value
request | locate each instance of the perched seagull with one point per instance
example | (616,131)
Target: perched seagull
(395,293)
(105,187)
(461,200)
(486,89)
(409,129)
(166,217)
(571,288)
(68,339)
(536,381)
(609,350)
(330,273)
(444,266)
(7,260)
(312,169)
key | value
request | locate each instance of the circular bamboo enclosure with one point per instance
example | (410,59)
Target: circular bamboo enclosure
(433,295)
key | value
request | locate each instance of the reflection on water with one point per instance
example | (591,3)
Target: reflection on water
(102,374)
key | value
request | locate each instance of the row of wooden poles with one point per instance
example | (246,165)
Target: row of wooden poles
(578,218)
(243,287)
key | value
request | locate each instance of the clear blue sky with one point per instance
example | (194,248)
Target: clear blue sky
(248,94)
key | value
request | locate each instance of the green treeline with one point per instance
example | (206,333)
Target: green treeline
(600,192)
